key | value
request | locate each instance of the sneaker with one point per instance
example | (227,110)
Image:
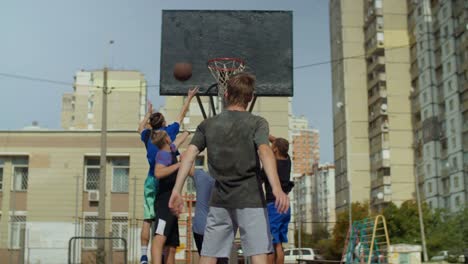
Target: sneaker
(144,259)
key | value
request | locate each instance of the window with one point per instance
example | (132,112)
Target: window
(428,169)
(424,97)
(429,187)
(20,174)
(430,204)
(449,86)
(119,229)
(451,105)
(90,230)
(2,162)
(120,173)
(457,201)
(92,171)
(17,222)
(456,183)
(454,142)
(455,163)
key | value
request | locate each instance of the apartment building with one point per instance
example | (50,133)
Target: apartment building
(126,100)
(304,198)
(324,208)
(49,188)
(439,81)
(305,143)
(371,97)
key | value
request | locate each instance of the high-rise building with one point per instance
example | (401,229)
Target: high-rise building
(126,101)
(324,208)
(372,110)
(439,81)
(305,146)
(304,193)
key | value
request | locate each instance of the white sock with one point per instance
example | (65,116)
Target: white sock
(144,249)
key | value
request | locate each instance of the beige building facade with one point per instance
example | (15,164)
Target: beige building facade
(371,98)
(49,186)
(82,109)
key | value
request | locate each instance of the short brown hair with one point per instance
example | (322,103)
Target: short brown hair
(240,88)
(158,138)
(282,145)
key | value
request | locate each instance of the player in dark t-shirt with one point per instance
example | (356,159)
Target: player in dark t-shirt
(279,222)
(166,224)
(236,141)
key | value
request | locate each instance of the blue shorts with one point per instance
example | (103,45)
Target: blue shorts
(278,224)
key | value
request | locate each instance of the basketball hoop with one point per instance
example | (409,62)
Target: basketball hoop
(222,69)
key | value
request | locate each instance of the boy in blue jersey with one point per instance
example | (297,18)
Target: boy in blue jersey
(152,122)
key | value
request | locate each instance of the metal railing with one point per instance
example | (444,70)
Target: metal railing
(97,238)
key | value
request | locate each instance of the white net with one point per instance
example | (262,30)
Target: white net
(222,69)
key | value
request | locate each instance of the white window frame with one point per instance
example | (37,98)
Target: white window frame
(113,175)
(94,228)
(121,225)
(11,243)
(86,167)
(13,177)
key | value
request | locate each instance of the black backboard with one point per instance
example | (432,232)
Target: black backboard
(263,39)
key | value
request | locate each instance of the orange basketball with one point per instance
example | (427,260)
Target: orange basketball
(183,71)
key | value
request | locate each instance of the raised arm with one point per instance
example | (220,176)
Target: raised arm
(191,93)
(181,138)
(144,122)
(176,203)
(269,165)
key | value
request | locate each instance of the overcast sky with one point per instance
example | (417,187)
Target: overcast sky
(52,39)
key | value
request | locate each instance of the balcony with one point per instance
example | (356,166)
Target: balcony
(459,29)
(414,71)
(382,93)
(372,29)
(444,173)
(438,60)
(377,78)
(415,105)
(372,12)
(413,54)
(374,47)
(458,8)
(464,105)
(377,183)
(410,5)
(465,126)
(376,63)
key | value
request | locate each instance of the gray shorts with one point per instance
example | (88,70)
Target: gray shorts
(221,228)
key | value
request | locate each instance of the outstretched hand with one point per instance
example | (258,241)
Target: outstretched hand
(192,92)
(176,203)
(281,201)
(150,108)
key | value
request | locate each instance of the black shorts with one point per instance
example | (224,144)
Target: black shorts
(166,223)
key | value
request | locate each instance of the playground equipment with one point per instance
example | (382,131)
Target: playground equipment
(367,242)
